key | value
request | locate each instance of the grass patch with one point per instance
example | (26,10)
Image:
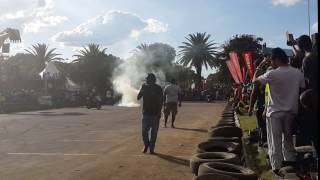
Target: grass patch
(257,160)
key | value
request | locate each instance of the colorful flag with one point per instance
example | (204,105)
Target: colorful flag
(235,61)
(247,57)
(232,71)
(244,75)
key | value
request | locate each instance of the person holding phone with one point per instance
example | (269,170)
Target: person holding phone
(284,84)
(303,49)
(152,104)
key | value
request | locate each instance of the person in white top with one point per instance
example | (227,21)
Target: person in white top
(285,84)
(172,95)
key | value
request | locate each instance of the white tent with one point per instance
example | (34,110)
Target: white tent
(52,71)
(71,86)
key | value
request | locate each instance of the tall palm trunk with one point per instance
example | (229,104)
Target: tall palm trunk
(199,84)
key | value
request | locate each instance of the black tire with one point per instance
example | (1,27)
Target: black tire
(236,171)
(227,131)
(225,124)
(226,119)
(287,169)
(214,176)
(197,159)
(226,139)
(219,146)
(227,116)
(228,113)
(230,110)
(291,176)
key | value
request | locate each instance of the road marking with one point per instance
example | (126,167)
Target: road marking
(81,140)
(99,131)
(53,154)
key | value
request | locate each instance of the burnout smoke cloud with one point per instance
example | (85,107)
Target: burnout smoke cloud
(128,78)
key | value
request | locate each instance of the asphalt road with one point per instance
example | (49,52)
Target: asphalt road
(77,143)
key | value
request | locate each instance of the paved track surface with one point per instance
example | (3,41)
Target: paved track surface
(82,144)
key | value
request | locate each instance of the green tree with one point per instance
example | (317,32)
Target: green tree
(185,76)
(197,52)
(93,68)
(43,54)
(92,51)
(239,43)
(22,72)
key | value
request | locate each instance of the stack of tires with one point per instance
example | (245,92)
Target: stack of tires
(219,157)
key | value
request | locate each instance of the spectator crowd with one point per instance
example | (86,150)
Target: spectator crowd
(284,98)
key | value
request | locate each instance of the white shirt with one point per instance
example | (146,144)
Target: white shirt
(284,84)
(171,92)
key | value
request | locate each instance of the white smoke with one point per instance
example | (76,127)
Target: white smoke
(131,74)
(127,79)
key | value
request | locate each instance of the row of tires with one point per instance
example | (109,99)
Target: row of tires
(219,156)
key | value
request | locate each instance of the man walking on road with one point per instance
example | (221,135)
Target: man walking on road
(172,94)
(285,82)
(152,105)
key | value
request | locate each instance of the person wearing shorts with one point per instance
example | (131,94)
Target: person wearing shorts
(172,95)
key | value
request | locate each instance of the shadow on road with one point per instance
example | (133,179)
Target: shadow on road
(51,114)
(188,129)
(173,159)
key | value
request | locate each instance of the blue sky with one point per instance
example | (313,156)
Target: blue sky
(121,25)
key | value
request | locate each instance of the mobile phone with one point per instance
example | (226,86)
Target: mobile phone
(290,40)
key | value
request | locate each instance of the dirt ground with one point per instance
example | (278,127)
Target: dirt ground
(122,160)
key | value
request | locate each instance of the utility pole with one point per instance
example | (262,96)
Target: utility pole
(309,17)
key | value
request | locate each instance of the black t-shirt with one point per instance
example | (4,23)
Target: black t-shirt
(310,70)
(152,99)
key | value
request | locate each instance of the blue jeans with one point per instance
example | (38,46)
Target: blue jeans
(150,122)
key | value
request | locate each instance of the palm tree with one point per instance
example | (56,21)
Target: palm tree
(94,67)
(198,51)
(42,53)
(92,51)
(142,48)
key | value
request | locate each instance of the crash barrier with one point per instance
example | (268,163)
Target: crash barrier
(222,155)
(214,176)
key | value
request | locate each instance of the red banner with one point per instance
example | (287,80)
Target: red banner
(247,57)
(235,61)
(244,75)
(232,71)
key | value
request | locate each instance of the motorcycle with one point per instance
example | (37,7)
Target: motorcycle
(93,102)
(209,98)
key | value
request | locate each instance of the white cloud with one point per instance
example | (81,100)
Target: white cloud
(155,26)
(108,29)
(286,3)
(29,15)
(315,27)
